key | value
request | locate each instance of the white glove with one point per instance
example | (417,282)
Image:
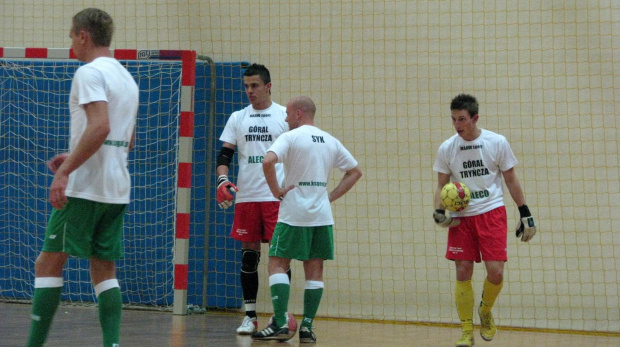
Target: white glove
(444,221)
(224,190)
(526,228)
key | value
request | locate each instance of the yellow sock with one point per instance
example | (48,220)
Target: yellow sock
(464,296)
(490,292)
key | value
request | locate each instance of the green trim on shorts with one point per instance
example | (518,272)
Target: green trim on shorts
(302,243)
(85,228)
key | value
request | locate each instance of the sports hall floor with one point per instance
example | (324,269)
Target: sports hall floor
(78,326)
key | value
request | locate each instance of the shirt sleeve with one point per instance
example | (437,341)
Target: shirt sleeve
(90,85)
(344,159)
(441,164)
(508,159)
(280,147)
(230,130)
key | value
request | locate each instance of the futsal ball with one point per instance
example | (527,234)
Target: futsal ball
(292,326)
(455,196)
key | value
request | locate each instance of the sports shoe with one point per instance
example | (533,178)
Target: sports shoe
(248,327)
(467,340)
(306,335)
(487,325)
(273,332)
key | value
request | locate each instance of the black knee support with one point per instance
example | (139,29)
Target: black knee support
(249,260)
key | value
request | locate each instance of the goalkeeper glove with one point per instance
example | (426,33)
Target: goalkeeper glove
(526,228)
(224,190)
(445,221)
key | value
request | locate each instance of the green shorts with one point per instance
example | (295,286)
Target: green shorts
(302,243)
(85,229)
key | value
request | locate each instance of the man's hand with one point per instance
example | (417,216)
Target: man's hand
(224,190)
(56,161)
(57,197)
(445,221)
(526,228)
(281,192)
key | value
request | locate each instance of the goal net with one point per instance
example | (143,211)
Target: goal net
(35,127)
(177,249)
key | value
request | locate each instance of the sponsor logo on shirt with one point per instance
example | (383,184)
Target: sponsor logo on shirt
(255,159)
(116,143)
(312,184)
(464,148)
(318,139)
(474,168)
(481,194)
(258,133)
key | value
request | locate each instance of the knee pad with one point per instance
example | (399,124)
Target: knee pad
(249,260)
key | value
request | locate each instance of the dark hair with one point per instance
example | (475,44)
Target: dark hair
(98,23)
(465,102)
(260,70)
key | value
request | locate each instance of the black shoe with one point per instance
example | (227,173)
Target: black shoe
(306,335)
(272,332)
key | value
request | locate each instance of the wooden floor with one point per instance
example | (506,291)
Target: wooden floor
(79,326)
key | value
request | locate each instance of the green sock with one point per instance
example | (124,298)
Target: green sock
(280,288)
(110,308)
(279,296)
(44,305)
(312,299)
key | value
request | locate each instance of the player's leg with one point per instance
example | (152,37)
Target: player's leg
(66,233)
(490,292)
(108,292)
(313,292)
(269,212)
(250,259)
(464,298)
(107,248)
(280,288)
(47,290)
(493,284)
(287,243)
(492,228)
(463,250)
(247,228)
(322,248)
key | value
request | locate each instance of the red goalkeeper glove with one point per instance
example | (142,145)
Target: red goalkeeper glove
(526,228)
(444,221)
(224,190)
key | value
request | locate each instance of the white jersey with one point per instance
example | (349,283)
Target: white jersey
(104,177)
(478,164)
(252,132)
(309,155)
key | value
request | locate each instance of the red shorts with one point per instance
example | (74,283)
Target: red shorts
(485,234)
(255,221)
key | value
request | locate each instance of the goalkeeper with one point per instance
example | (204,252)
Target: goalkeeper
(479,158)
(251,131)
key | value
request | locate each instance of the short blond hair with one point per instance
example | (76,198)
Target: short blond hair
(98,23)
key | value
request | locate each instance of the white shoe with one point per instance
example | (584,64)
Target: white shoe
(248,327)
